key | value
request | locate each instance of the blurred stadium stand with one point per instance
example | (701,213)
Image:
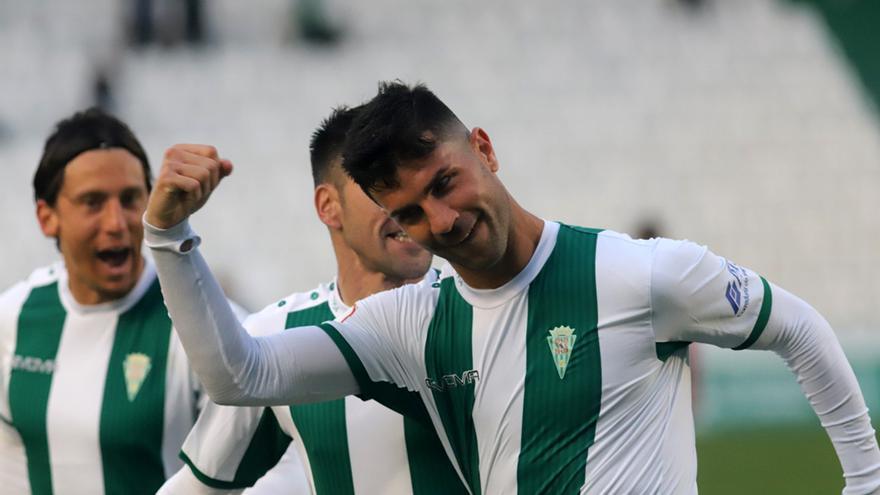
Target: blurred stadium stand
(736,123)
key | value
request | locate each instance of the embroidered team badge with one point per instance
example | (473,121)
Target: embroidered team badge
(136,368)
(561,341)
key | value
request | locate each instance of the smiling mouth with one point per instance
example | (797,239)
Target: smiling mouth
(399,236)
(469,234)
(114,257)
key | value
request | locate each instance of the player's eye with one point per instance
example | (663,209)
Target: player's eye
(92,202)
(408,216)
(130,198)
(441,187)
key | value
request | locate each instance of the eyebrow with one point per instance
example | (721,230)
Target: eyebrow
(99,193)
(426,191)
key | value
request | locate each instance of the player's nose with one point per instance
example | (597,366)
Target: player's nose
(113,217)
(441,217)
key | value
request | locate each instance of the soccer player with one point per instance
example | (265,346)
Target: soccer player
(96,395)
(552,360)
(350,446)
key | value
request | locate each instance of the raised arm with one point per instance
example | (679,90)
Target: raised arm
(701,297)
(235,368)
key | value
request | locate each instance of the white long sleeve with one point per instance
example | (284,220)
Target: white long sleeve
(701,297)
(806,342)
(235,368)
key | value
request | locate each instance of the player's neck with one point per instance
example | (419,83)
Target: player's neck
(523,238)
(354,282)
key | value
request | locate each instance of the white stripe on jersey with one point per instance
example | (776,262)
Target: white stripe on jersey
(75,398)
(180,387)
(378,456)
(498,400)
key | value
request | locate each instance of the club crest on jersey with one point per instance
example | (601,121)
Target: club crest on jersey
(136,368)
(561,341)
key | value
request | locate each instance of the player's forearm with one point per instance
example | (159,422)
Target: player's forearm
(235,368)
(217,346)
(809,347)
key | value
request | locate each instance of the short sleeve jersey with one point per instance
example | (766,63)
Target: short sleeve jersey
(93,399)
(347,446)
(573,376)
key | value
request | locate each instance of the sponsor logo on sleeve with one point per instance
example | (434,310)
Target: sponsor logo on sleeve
(737,290)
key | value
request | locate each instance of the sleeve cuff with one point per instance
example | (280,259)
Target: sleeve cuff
(180,238)
(763,316)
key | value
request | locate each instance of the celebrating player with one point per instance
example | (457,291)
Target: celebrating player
(551,361)
(350,446)
(96,395)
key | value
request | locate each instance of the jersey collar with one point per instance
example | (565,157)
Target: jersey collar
(490,298)
(334,300)
(339,308)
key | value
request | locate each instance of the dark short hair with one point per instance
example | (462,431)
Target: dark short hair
(400,123)
(84,131)
(328,140)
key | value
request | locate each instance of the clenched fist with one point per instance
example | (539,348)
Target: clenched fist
(190,173)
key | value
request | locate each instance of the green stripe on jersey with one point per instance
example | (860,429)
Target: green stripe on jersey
(563,383)
(133,409)
(449,364)
(322,426)
(763,316)
(430,471)
(39,332)
(265,450)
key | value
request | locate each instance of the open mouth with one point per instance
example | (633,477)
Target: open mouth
(114,257)
(399,236)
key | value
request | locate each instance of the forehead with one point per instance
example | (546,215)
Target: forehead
(103,170)
(414,177)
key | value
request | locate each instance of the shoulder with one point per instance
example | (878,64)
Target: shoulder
(682,272)
(614,251)
(271,319)
(14,296)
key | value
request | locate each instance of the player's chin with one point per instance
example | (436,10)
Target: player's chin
(117,287)
(117,280)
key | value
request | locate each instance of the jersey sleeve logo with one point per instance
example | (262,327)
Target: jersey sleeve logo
(136,367)
(561,341)
(737,290)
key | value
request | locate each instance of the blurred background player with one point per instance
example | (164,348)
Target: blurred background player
(96,395)
(349,446)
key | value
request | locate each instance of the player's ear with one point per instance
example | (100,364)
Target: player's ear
(482,145)
(327,205)
(48,218)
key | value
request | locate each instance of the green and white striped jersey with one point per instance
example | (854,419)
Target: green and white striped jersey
(570,378)
(348,446)
(93,399)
